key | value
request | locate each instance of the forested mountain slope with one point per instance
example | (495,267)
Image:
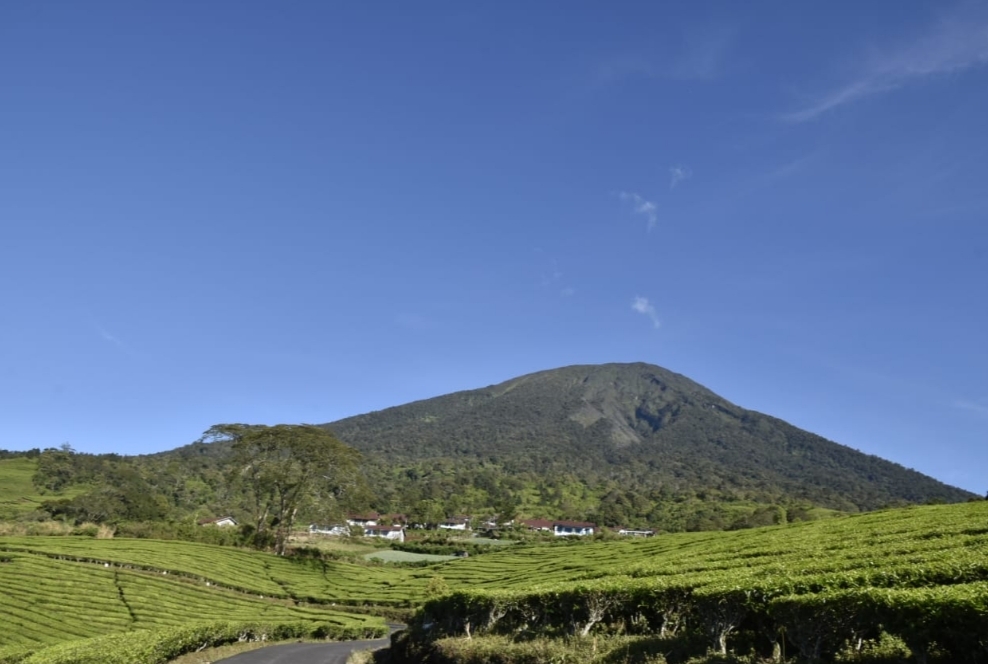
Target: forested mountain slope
(639,424)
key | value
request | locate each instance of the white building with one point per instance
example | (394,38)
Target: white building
(338,530)
(455,523)
(566,528)
(222,522)
(364,520)
(396,533)
(630,532)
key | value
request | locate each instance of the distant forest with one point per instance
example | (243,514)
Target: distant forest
(619,445)
(194,482)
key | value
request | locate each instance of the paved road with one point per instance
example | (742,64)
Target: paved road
(310,653)
(306,653)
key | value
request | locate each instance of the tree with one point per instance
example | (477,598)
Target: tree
(56,468)
(287,468)
(506,506)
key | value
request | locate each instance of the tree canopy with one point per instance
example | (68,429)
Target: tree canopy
(285,469)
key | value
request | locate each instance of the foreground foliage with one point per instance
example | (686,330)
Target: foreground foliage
(46,601)
(917,575)
(162,645)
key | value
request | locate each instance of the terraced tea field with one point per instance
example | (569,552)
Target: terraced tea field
(46,601)
(919,575)
(58,588)
(392,556)
(910,546)
(248,571)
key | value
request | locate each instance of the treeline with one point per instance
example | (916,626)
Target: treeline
(195,482)
(109,488)
(429,491)
(10,454)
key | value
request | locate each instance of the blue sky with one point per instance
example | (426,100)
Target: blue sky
(269,212)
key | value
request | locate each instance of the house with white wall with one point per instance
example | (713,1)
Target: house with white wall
(338,530)
(395,533)
(455,523)
(560,528)
(567,528)
(363,520)
(221,521)
(631,532)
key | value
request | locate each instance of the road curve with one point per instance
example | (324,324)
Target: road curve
(306,653)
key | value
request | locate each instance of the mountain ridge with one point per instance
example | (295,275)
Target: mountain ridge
(642,423)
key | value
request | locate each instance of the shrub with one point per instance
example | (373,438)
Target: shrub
(160,646)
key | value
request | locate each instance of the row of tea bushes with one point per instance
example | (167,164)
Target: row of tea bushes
(951,619)
(162,645)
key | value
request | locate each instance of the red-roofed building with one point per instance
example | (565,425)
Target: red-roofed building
(537,524)
(561,528)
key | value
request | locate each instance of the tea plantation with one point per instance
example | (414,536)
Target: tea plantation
(918,575)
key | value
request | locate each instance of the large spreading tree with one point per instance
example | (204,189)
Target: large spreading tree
(285,469)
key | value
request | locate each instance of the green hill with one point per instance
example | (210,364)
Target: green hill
(59,589)
(616,444)
(919,573)
(17,494)
(637,426)
(898,585)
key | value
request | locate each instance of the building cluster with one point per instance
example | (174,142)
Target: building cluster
(392,526)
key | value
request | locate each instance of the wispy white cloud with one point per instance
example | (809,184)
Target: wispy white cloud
(640,206)
(704,53)
(790,168)
(552,280)
(974,406)
(106,336)
(623,67)
(679,174)
(701,56)
(953,45)
(643,306)
(553,275)
(112,339)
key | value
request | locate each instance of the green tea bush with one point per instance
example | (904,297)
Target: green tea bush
(160,646)
(15,654)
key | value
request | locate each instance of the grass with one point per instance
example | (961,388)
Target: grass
(59,588)
(356,545)
(920,574)
(210,655)
(484,541)
(391,556)
(46,601)
(18,495)
(892,541)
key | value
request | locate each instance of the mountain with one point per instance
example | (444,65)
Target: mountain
(635,425)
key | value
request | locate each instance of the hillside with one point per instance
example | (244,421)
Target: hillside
(17,494)
(919,573)
(641,426)
(890,586)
